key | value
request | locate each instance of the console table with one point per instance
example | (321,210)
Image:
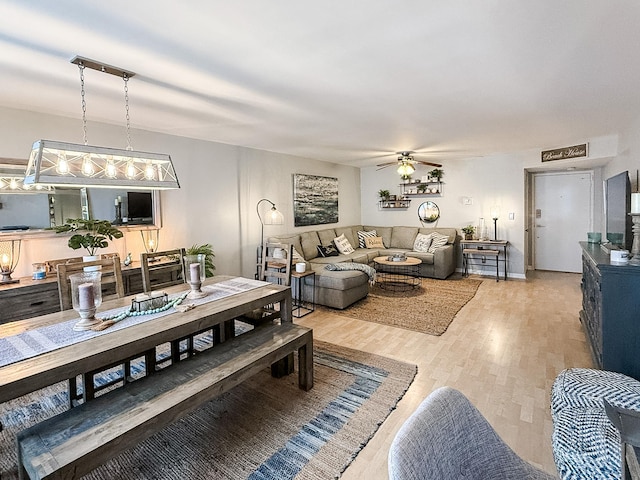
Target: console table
(609,315)
(30,298)
(477,252)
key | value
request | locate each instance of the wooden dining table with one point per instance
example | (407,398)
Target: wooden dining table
(34,373)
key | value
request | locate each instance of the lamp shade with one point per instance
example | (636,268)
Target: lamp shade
(62,164)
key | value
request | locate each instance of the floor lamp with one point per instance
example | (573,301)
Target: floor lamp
(274,217)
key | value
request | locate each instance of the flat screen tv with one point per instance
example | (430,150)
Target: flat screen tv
(140,207)
(617,208)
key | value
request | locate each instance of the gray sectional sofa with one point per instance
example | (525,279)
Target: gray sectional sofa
(339,289)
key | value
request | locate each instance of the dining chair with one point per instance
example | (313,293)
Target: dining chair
(113,285)
(160,270)
(277,260)
(447,437)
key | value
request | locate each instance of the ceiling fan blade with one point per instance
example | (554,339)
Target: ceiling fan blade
(438,165)
(386,164)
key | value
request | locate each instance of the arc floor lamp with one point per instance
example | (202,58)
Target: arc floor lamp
(273,217)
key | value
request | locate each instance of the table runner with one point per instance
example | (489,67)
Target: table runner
(52,337)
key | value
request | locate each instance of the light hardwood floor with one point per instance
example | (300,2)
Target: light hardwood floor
(503,351)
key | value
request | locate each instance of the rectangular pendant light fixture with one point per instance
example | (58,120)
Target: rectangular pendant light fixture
(63,164)
(56,163)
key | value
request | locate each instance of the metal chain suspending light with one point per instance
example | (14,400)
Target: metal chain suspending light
(54,163)
(84,103)
(125,77)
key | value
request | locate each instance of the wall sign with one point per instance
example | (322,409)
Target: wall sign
(565,152)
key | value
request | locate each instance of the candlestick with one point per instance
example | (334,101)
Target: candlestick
(86,299)
(635,203)
(194,268)
(635,247)
(196,277)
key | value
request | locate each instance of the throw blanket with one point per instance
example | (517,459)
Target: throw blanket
(354,266)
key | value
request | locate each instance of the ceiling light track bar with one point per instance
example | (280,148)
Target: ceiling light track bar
(102,67)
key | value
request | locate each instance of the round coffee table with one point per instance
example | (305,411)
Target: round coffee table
(397,275)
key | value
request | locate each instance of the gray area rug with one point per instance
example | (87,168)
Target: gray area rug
(265,428)
(428,309)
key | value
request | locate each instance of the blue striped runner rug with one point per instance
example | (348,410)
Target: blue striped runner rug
(265,428)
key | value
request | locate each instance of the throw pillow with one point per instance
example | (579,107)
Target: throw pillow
(422,242)
(343,245)
(362,235)
(438,241)
(296,257)
(327,251)
(374,242)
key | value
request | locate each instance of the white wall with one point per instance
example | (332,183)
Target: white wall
(492,180)
(628,157)
(220,186)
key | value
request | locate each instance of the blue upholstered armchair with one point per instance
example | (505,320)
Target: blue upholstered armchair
(448,438)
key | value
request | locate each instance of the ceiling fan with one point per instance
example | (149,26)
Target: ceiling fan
(406,162)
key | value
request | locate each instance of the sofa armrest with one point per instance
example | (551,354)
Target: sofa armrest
(444,261)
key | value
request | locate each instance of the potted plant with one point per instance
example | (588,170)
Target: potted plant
(422,188)
(89,234)
(437,173)
(207,251)
(468,232)
(384,195)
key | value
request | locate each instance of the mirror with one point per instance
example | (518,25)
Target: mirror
(428,212)
(35,211)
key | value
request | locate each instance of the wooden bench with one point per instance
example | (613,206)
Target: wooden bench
(77,441)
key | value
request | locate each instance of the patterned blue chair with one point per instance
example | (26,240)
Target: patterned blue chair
(447,438)
(586,444)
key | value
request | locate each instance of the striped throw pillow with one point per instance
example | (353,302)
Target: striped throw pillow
(362,235)
(437,240)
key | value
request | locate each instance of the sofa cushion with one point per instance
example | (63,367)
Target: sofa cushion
(384,232)
(437,241)
(328,250)
(343,245)
(403,237)
(373,242)
(452,233)
(426,258)
(338,280)
(422,242)
(363,235)
(310,242)
(327,235)
(349,234)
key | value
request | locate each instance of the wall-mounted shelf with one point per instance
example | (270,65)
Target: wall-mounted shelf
(394,204)
(431,189)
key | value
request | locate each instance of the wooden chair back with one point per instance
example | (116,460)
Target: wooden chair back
(111,274)
(162,269)
(277,260)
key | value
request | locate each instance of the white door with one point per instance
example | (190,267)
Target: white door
(563,212)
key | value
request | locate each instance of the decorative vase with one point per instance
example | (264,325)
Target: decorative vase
(91,258)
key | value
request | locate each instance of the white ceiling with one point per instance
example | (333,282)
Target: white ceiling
(339,81)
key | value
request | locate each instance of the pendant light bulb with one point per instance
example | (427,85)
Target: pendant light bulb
(87,166)
(149,172)
(110,170)
(131,170)
(63,166)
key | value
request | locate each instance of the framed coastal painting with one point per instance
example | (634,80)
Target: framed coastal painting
(315,200)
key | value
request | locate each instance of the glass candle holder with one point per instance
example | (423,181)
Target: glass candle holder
(195,273)
(86,297)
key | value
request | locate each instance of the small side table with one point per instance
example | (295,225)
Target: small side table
(301,305)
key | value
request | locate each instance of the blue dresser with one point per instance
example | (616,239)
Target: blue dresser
(611,311)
